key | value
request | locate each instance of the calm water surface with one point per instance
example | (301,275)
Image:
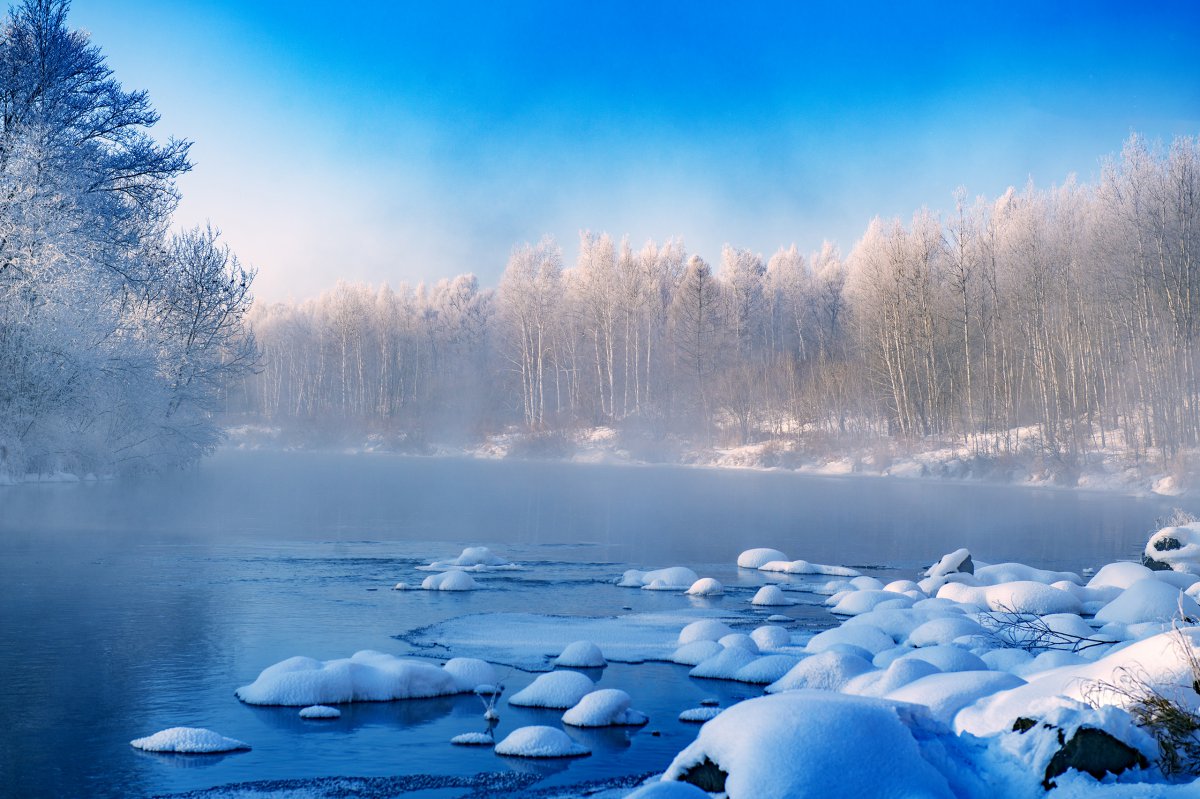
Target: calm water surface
(128,607)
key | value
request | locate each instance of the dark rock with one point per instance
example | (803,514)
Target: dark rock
(1024,724)
(1093,751)
(1155,565)
(707,776)
(1166,544)
(967,566)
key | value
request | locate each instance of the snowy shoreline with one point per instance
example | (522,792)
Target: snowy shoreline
(602,446)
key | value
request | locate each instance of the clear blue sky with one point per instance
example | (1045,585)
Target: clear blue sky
(410,141)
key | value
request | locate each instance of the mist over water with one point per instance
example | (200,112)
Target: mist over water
(131,606)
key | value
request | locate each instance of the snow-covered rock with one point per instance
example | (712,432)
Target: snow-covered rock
(672,578)
(810,744)
(1176,547)
(470,673)
(724,665)
(1119,575)
(473,739)
(539,741)
(771,596)
(581,655)
(766,669)
(770,637)
(739,640)
(947,693)
(188,740)
(699,715)
(804,567)
(696,652)
(706,586)
(864,636)
(474,558)
(449,581)
(1149,600)
(828,671)
(856,603)
(898,674)
(366,676)
(1018,596)
(320,712)
(557,689)
(606,707)
(756,558)
(957,561)
(704,630)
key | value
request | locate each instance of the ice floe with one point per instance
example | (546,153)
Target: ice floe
(188,740)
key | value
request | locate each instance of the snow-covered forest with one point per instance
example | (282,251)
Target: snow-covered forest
(117,335)
(1057,321)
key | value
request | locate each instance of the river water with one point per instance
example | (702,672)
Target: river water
(132,606)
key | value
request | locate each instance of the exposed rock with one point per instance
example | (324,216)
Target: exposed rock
(1093,751)
(707,776)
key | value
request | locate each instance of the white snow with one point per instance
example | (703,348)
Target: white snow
(1178,547)
(1148,600)
(771,595)
(740,641)
(704,630)
(557,689)
(756,558)
(449,581)
(539,741)
(581,655)
(1017,596)
(473,739)
(696,652)
(470,673)
(946,694)
(724,665)
(606,707)
(672,578)
(771,637)
(804,567)
(828,671)
(810,744)
(188,740)
(699,715)
(366,676)
(766,669)
(668,790)
(471,559)
(706,586)
(320,712)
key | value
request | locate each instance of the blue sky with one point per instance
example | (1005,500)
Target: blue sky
(410,141)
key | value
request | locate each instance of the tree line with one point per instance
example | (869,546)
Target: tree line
(118,338)
(1060,320)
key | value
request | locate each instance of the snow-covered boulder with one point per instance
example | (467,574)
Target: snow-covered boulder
(725,664)
(669,790)
(771,596)
(606,707)
(943,631)
(1119,575)
(1018,596)
(581,655)
(766,669)
(946,694)
(739,640)
(449,581)
(828,671)
(470,558)
(856,603)
(699,715)
(366,676)
(473,739)
(898,674)
(957,561)
(706,586)
(538,741)
(696,652)
(810,744)
(864,636)
(188,740)
(1149,600)
(704,630)
(558,689)
(947,658)
(1177,548)
(673,578)
(996,573)
(470,673)
(804,567)
(756,558)
(769,637)
(320,712)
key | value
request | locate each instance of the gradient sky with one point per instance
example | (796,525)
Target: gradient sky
(411,141)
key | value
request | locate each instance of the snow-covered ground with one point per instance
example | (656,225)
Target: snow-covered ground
(1107,467)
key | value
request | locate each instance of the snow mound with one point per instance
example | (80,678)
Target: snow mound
(699,715)
(898,674)
(771,637)
(606,707)
(756,558)
(1177,547)
(724,665)
(704,630)
(581,655)
(1018,596)
(696,652)
(947,658)
(472,558)
(740,641)
(997,573)
(943,631)
(449,581)
(766,669)
(946,694)
(855,603)
(771,596)
(366,676)
(828,671)
(471,672)
(811,744)
(952,563)
(706,586)
(320,712)
(1148,600)
(540,741)
(188,740)
(804,567)
(1157,659)
(673,578)
(1119,575)
(557,689)
(473,739)
(863,636)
